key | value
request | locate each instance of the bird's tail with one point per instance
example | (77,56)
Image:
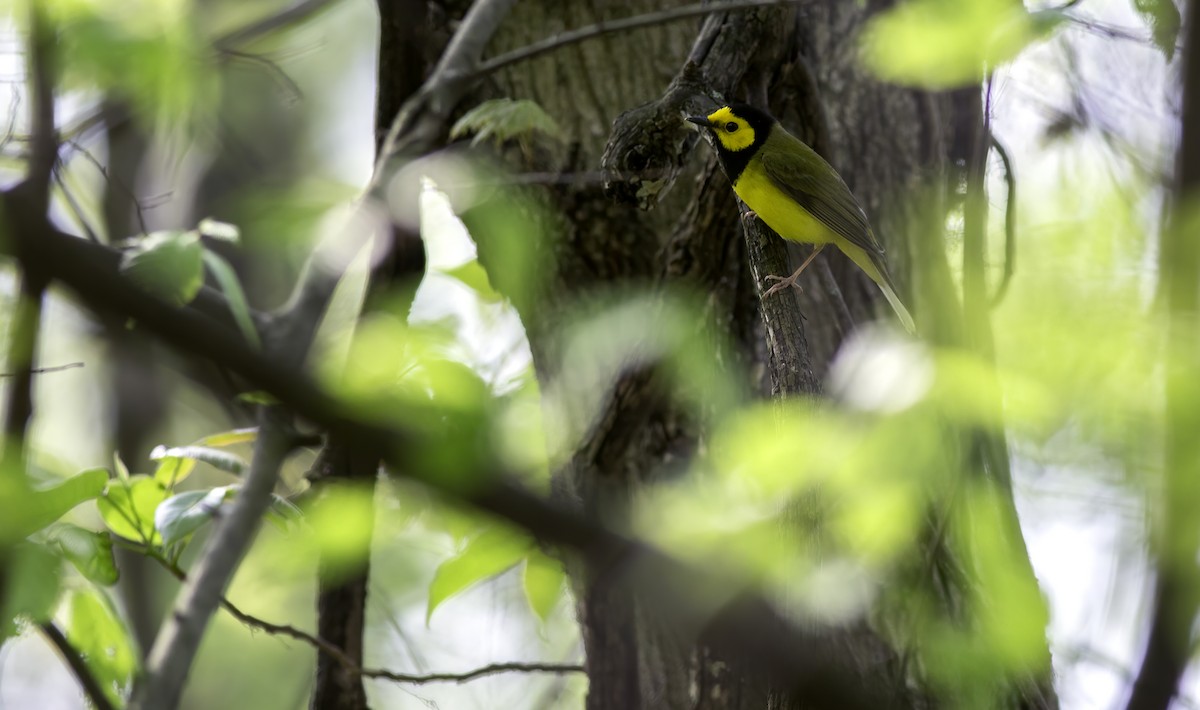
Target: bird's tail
(889,292)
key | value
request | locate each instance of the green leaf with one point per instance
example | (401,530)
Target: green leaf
(227,279)
(177,517)
(222,460)
(487,555)
(168,264)
(91,552)
(543,583)
(943,44)
(1162,16)
(45,506)
(173,469)
(222,231)
(127,508)
(283,513)
(230,438)
(122,469)
(505,119)
(473,275)
(95,629)
(32,574)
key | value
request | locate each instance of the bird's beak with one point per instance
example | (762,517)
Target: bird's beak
(701,121)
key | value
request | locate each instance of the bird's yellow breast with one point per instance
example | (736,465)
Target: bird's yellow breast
(778,210)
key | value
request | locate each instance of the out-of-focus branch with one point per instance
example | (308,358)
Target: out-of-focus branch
(22,349)
(171,657)
(296,13)
(43,147)
(91,687)
(1177,583)
(1010,223)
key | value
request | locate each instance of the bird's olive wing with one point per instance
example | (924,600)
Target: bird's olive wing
(809,180)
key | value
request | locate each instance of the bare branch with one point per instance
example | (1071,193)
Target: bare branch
(44,370)
(22,349)
(649,19)
(175,647)
(91,687)
(1010,223)
(424,116)
(297,13)
(492,669)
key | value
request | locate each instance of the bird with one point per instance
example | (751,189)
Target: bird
(796,192)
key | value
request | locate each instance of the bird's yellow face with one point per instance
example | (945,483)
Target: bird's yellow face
(734,132)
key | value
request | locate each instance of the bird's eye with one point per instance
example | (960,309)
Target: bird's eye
(731,126)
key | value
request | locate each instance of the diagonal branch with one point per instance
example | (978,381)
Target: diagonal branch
(91,687)
(175,647)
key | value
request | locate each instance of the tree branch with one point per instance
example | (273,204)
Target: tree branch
(423,118)
(297,13)
(91,687)
(175,647)
(43,148)
(649,19)
(1010,223)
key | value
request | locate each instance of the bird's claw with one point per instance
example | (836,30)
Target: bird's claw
(784,282)
(749,216)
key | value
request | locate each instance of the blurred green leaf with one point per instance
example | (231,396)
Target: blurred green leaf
(177,517)
(486,555)
(91,552)
(127,508)
(283,513)
(43,507)
(342,519)
(121,468)
(96,630)
(474,277)
(230,438)
(1164,20)
(169,265)
(31,576)
(543,583)
(260,397)
(229,284)
(505,119)
(147,52)
(218,459)
(943,44)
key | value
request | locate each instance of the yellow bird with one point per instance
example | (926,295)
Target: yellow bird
(799,195)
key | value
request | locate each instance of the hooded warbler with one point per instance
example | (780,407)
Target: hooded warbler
(797,193)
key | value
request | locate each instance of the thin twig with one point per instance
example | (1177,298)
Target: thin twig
(1010,223)
(346,662)
(294,92)
(297,13)
(44,370)
(492,669)
(91,687)
(91,158)
(604,27)
(73,204)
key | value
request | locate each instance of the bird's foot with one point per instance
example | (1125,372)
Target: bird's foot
(749,216)
(784,282)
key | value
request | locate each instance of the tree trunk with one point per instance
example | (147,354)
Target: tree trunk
(801,63)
